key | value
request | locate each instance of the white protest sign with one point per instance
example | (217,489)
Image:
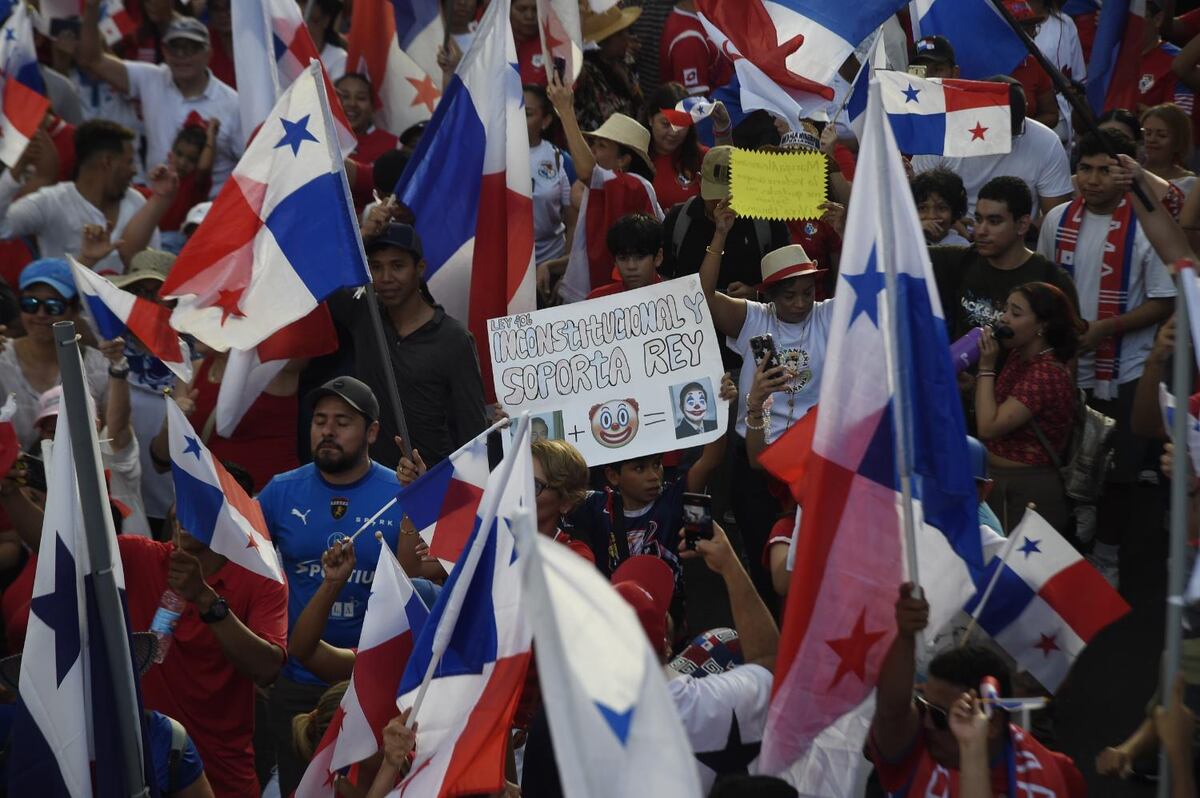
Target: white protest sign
(619,377)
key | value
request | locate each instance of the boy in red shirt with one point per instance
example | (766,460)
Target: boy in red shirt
(635,243)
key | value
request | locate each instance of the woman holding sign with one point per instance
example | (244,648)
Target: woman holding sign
(789,331)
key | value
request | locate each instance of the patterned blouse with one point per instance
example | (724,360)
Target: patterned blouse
(1046,387)
(603,90)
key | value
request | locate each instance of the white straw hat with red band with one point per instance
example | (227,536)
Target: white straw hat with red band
(785,263)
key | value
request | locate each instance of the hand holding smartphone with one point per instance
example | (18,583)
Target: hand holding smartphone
(697,518)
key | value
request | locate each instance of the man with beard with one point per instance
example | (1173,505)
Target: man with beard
(307,510)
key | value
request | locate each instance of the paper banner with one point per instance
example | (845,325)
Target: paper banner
(623,376)
(777,185)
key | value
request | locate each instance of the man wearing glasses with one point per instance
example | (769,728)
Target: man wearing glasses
(910,743)
(170,91)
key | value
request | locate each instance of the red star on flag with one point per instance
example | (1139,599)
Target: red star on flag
(1047,644)
(551,43)
(978,131)
(251,543)
(427,92)
(852,651)
(227,301)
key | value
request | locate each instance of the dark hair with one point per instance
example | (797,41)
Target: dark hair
(1125,117)
(1017,103)
(1012,191)
(946,184)
(331,9)
(734,785)
(387,170)
(966,666)
(1053,308)
(240,475)
(194,135)
(1102,142)
(617,465)
(687,158)
(636,165)
(636,234)
(756,130)
(554,132)
(691,386)
(97,136)
(356,76)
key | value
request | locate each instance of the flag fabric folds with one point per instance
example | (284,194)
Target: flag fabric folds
(562,35)
(478,639)
(280,237)
(444,501)
(955,118)
(212,507)
(419,31)
(395,613)
(1035,613)
(23,102)
(984,44)
(616,730)
(405,93)
(1113,72)
(888,405)
(118,313)
(469,183)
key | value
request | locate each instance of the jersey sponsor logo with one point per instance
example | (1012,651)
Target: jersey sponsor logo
(338,506)
(1146,83)
(691,77)
(334,539)
(313,570)
(546,170)
(810,229)
(303,516)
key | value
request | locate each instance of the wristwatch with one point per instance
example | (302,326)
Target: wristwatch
(217,612)
(120,369)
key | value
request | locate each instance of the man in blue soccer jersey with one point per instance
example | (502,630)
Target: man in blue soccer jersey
(307,510)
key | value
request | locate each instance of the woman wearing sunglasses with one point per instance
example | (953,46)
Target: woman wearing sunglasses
(29,364)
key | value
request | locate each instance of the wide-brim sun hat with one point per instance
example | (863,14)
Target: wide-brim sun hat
(598,27)
(785,263)
(627,131)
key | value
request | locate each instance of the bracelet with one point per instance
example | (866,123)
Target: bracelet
(986,374)
(711,251)
(761,427)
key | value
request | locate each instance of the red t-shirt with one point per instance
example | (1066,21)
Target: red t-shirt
(616,288)
(1157,84)
(531,61)
(193,189)
(688,57)
(1046,387)
(670,184)
(62,133)
(820,242)
(221,62)
(196,684)
(371,145)
(1035,81)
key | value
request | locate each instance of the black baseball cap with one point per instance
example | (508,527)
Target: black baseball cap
(355,393)
(400,235)
(932,50)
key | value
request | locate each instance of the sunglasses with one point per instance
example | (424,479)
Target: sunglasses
(939,716)
(538,487)
(54,307)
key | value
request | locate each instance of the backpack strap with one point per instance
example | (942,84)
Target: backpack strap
(762,230)
(682,222)
(179,740)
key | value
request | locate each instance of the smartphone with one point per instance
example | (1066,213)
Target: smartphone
(560,68)
(918,70)
(697,518)
(763,348)
(30,472)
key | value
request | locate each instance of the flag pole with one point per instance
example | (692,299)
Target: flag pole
(987,593)
(900,415)
(465,571)
(389,369)
(1063,87)
(1180,476)
(97,527)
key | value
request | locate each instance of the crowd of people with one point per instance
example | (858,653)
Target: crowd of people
(1043,252)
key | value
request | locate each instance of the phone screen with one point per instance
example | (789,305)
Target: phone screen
(697,518)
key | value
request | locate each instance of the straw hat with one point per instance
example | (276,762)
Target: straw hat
(785,263)
(626,130)
(598,27)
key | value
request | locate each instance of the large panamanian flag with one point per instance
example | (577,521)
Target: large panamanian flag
(23,101)
(405,93)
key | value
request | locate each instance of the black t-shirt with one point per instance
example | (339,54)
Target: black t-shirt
(743,250)
(973,292)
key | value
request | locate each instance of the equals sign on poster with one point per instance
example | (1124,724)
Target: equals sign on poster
(650,419)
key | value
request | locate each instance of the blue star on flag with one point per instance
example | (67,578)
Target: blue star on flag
(866,291)
(10,35)
(910,94)
(1030,546)
(295,134)
(192,447)
(59,610)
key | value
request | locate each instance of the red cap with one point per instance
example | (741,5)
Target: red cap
(648,585)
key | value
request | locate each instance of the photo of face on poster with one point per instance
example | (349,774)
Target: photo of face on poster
(694,407)
(546,426)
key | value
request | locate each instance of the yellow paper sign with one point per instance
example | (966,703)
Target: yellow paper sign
(777,185)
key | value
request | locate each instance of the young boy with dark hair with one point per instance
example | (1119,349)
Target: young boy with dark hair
(635,243)
(941,201)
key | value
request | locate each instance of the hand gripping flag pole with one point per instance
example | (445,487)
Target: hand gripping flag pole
(93,499)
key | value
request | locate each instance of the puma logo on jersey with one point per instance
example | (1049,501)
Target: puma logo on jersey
(303,516)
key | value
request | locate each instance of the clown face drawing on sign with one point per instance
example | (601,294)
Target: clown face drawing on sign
(615,422)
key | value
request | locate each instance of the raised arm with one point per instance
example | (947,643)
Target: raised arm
(563,99)
(896,722)
(91,55)
(117,414)
(141,226)
(328,663)
(729,313)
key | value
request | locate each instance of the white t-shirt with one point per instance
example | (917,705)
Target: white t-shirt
(1037,157)
(12,380)
(334,59)
(1147,280)
(149,410)
(165,110)
(57,214)
(124,483)
(551,198)
(1058,39)
(800,347)
(708,707)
